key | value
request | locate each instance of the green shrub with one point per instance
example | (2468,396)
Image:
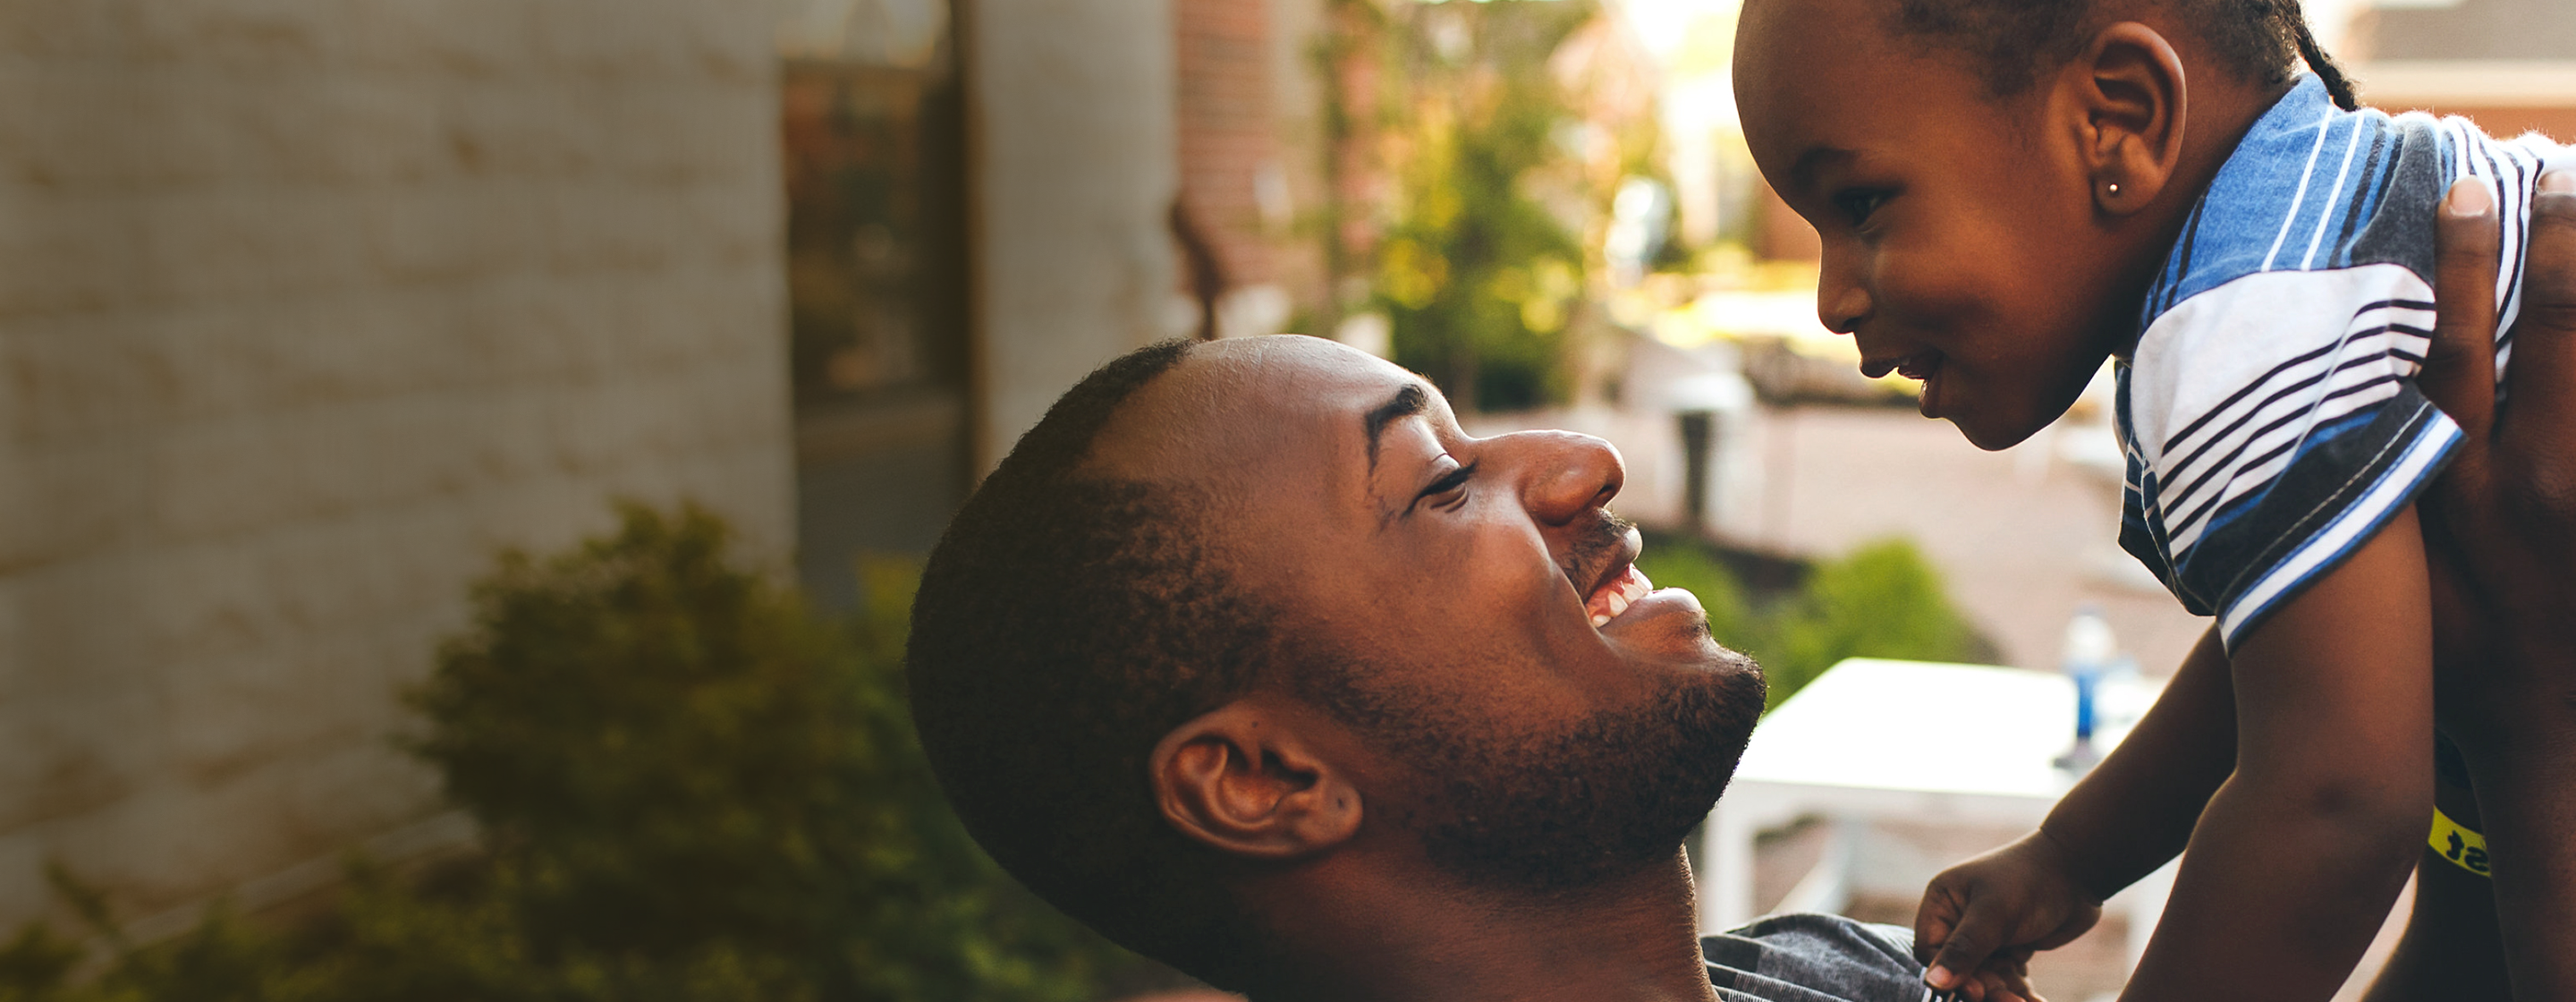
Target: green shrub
(691,789)
(1881,600)
(35,965)
(674,758)
(1692,567)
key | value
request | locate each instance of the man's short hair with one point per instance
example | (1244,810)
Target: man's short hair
(1066,622)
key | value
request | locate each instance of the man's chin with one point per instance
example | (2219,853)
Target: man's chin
(1735,673)
(1615,793)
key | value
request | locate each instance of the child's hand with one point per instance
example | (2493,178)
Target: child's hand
(2005,978)
(1987,915)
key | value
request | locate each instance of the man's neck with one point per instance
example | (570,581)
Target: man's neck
(1629,939)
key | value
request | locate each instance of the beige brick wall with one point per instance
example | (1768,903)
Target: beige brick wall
(306,309)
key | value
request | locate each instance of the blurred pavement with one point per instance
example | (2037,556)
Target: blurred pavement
(2023,537)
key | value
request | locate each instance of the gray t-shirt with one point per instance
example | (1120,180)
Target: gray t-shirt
(1815,958)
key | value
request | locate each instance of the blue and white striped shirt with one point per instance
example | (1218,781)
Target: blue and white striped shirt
(2269,411)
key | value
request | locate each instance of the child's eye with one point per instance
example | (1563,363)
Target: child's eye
(1858,203)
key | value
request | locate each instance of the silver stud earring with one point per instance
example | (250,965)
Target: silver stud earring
(2114,190)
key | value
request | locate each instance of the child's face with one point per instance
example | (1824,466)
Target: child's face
(1961,244)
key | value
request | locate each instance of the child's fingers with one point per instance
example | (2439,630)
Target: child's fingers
(2006,976)
(1965,949)
(1934,918)
(2014,978)
(1995,986)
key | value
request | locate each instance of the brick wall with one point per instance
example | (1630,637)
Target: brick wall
(305,310)
(1226,130)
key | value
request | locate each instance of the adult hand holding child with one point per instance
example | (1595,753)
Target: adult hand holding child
(2503,521)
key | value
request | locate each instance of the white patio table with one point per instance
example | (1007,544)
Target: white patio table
(1903,740)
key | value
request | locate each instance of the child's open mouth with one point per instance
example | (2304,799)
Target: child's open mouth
(1922,366)
(1919,367)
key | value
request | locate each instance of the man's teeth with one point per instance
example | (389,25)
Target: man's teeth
(1621,593)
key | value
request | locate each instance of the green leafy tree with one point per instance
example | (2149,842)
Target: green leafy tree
(1478,277)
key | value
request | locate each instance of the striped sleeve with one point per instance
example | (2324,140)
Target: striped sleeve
(2269,409)
(2274,426)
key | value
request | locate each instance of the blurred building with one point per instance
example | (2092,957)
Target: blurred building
(2508,64)
(310,309)
(2510,30)
(306,310)
(989,198)
(872,128)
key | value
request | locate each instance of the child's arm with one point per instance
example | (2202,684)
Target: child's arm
(2128,816)
(2294,864)
(2302,850)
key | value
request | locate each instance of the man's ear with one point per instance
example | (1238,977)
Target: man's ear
(2128,97)
(1243,778)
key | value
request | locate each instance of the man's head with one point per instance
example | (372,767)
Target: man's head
(1240,611)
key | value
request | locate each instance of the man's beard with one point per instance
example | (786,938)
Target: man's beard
(1561,811)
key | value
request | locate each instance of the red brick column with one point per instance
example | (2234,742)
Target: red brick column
(1226,128)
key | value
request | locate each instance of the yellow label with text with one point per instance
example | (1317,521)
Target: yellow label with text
(2461,846)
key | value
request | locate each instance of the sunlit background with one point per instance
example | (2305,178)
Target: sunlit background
(310,310)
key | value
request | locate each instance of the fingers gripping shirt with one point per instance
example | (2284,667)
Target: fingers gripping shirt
(2269,412)
(1816,958)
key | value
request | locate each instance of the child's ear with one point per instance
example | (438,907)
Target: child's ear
(1245,779)
(2128,91)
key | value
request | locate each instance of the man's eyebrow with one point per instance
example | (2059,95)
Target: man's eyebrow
(1408,401)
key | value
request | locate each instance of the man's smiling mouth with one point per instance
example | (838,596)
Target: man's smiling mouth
(1615,595)
(1617,583)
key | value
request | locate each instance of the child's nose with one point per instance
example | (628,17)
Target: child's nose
(1841,300)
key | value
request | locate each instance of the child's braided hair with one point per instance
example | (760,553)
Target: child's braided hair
(2017,40)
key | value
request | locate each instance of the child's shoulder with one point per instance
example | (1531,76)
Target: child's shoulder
(2312,188)
(2268,409)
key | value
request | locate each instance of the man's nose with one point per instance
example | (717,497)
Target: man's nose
(1842,300)
(1566,474)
